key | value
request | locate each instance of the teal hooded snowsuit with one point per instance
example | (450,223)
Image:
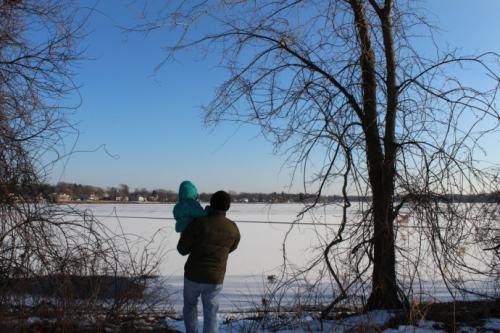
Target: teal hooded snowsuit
(188,207)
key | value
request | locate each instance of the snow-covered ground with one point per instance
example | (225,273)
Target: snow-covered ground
(374,321)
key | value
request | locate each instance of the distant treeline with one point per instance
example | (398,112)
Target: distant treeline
(63,191)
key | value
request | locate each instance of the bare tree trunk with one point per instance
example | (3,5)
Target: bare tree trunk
(381,172)
(384,288)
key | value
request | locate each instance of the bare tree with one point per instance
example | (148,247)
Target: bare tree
(38,50)
(391,121)
(40,241)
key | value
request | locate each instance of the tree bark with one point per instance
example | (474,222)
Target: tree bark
(384,293)
(380,171)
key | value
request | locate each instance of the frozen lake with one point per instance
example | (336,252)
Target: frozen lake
(260,252)
(260,249)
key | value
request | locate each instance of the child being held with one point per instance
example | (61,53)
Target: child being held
(188,208)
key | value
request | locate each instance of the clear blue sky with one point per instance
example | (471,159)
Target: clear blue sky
(153,122)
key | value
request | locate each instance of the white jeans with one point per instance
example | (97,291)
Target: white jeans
(210,300)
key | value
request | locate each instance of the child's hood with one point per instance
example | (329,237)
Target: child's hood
(187,190)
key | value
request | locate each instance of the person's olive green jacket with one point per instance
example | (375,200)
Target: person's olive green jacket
(208,241)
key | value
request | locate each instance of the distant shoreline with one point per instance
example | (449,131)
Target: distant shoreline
(161,203)
(103,202)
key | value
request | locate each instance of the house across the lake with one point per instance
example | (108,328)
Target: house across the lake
(136,197)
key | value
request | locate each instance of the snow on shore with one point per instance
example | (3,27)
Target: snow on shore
(373,321)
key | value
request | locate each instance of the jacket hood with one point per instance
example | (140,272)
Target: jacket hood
(187,190)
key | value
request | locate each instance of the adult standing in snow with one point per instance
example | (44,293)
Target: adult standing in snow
(208,241)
